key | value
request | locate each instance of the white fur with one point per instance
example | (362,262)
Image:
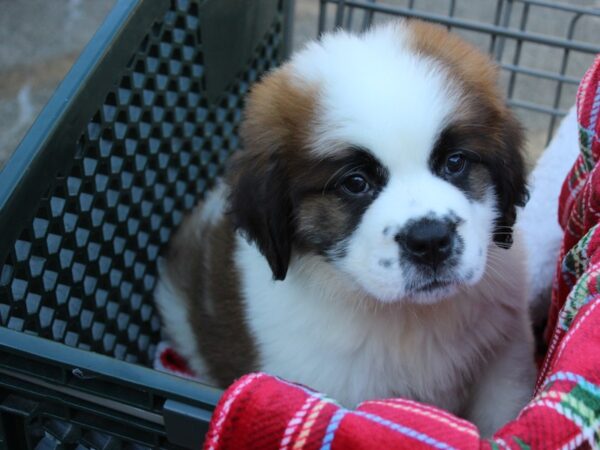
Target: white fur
(403,199)
(319,328)
(174,313)
(539,219)
(213,206)
(363,95)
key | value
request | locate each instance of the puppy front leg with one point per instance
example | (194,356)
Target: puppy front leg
(504,388)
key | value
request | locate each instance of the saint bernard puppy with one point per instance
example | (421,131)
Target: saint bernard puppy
(361,242)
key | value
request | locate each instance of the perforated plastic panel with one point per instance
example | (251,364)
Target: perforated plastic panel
(83,268)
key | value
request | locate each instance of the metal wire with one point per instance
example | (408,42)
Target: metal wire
(517,55)
(368,19)
(465,24)
(500,32)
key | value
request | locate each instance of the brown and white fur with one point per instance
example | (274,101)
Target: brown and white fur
(361,241)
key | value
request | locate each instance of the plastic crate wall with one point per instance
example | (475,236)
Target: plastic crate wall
(41,425)
(542,46)
(83,269)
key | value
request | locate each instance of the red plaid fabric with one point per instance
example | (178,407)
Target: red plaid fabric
(264,412)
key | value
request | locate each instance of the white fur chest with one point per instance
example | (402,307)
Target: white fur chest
(321,334)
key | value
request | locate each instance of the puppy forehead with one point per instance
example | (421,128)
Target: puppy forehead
(377,91)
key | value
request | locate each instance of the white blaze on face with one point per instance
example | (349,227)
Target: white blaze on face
(377,93)
(375,259)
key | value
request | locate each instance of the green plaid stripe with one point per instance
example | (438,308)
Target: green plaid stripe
(585,145)
(575,263)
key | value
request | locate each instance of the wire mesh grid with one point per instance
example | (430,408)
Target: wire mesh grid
(542,46)
(83,271)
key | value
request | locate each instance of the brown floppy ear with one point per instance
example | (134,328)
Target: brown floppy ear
(261,208)
(273,133)
(509,175)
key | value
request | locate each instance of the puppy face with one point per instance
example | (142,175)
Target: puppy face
(390,155)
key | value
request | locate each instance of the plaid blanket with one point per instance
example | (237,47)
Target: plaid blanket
(260,411)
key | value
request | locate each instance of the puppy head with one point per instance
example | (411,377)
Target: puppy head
(391,155)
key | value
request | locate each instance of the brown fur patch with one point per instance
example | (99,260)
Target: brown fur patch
(278,115)
(322,221)
(482,110)
(466,64)
(480,181)
(200,266)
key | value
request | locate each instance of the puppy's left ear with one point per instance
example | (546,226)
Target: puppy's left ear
(260,206)
(510,179)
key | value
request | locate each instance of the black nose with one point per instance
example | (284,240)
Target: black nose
(428,241)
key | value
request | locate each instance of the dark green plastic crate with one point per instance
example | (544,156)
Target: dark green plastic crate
(138,130)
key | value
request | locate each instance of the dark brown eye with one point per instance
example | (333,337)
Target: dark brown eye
(455,164)
(356,184)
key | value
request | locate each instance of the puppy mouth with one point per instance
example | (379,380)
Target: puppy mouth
(431,286)
(436,284)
